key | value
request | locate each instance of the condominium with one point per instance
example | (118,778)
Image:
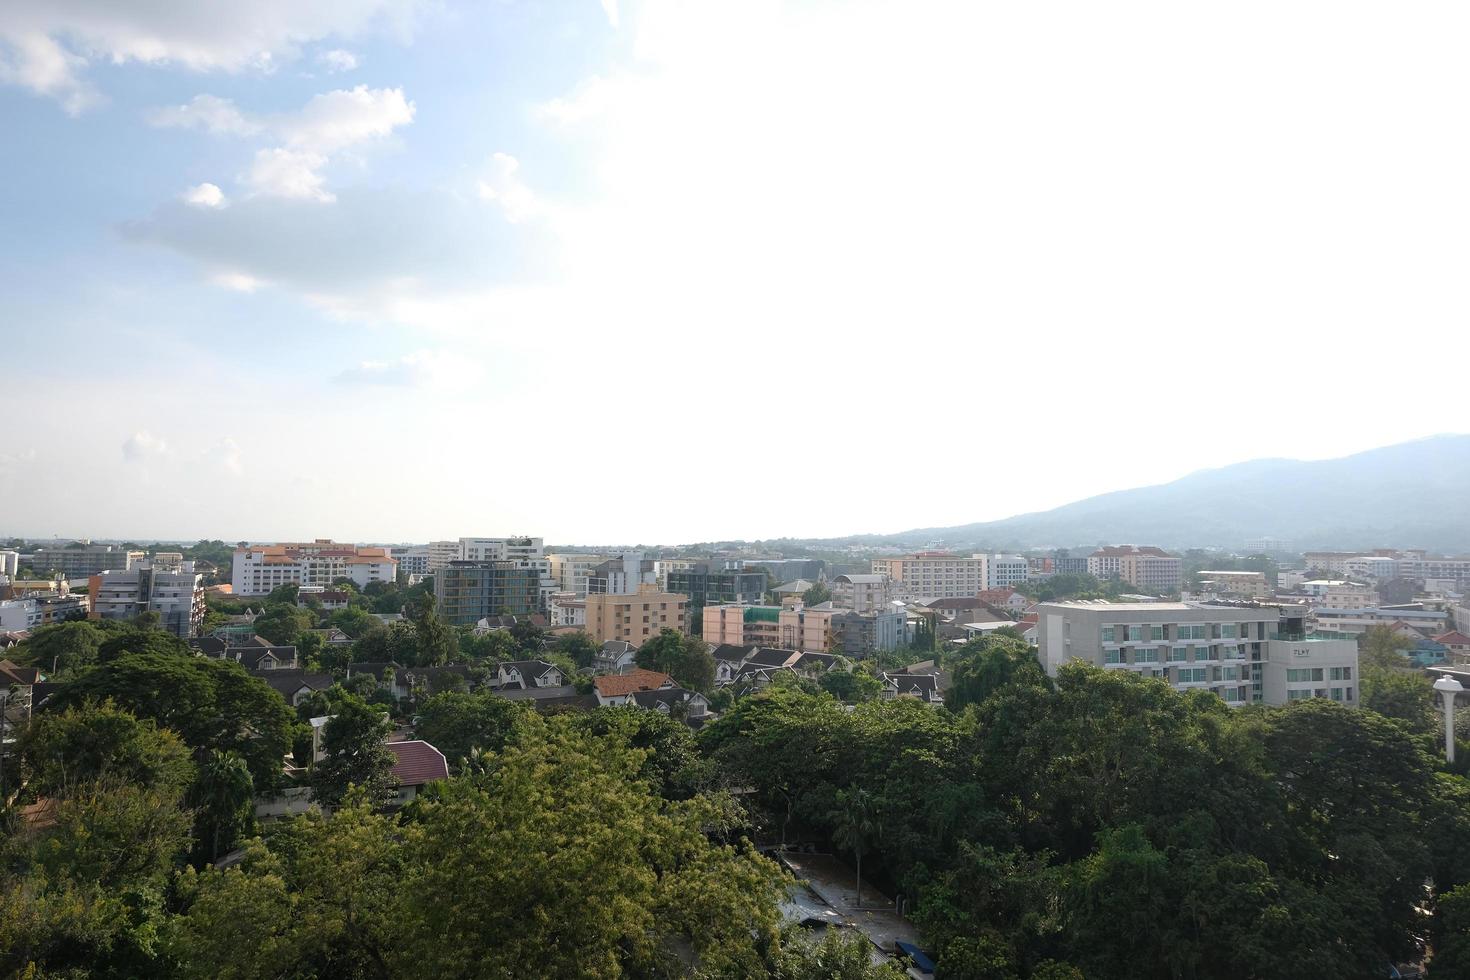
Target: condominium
(9,564)
(810,629)
(82,560)
(261,568)
(524,551)
(862,593)
(571,570)
(469,591)
(635,618)
(706,583)
(1002,571)
(621,574)
(175,594)
(932,575)
(1225,581)
(742,624)
(1142,567)
(1242,652)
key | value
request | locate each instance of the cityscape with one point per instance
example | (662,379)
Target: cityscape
(733,490)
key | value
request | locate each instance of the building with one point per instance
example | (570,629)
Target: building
(261,568)
(83,561)
(1425,622)
(621,574)
(932,575)
(19,615)
(864,634)
(441,553)
(9,563)
(412,561)
(469,591)
(1004,598)
(1003,571)
(415,765)
(1143,567)
(635,618)
(571,570)
(176,596)
(706,584)
(1229,582)
(805,629)
(741,624)
(861,593)
(1068,565)
(566,609)
(1242,652)
(787,569)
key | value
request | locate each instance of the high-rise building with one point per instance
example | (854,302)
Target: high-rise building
(261,568)
(621,575)
(469,591)
(862,593)
(1002,571)
(571,570)
(1242,652)
(932,575)
(1142,567)
(635,618)
(705,583)
(175,594)
(524,551)
(9,563)
(81,561)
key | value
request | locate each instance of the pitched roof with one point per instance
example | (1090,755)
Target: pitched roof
(668,697)
(956,602)
(210,646)
(771,657)
(417,762)
(815,661)
(732,652)
(13,673)
(619,685)
(287,681)
(1453,638)
(923,685)
(378,668)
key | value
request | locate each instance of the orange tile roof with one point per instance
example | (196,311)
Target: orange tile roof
(618,685)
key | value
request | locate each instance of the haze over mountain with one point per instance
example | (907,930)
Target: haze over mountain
(1413,494)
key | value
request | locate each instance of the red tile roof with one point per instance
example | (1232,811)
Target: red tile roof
(1453,638)
(417,763)
(617,685)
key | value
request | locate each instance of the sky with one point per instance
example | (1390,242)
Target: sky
(401,270)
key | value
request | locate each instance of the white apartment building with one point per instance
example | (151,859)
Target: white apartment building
(441,553)
(261,568)
(861,593)
(621,574)
(566,609)
(1229,581)
(1231,650)
(1004,571)
(9,563)
(19,614)
(1372,567)
(413,560)
(175,594)
(932,575)
(571,570)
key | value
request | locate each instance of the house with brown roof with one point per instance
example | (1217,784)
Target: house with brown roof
(416,763)
(1457,644)
(615,689)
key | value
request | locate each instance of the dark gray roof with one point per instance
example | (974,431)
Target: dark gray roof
(770,657)
(377,668)
(210,646)
(667,696)
(288,682)
(251,657)
(731,652)
(923,685)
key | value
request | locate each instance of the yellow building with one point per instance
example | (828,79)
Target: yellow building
(635,618)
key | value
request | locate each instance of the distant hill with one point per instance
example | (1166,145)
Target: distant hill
(1414,494)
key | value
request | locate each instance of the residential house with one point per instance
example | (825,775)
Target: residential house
(1456,644)
(416,764)
(925,687)
(616,689)
(294,685)
(729,658)
(1005,598)
(614,657)
(528,674)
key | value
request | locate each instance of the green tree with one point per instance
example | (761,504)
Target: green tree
(1403,695)
(854,826)
(1381,647)
(61,649)
(837,955)
(577,646)
(436,643)
(354,743)
(816,595)
(983,666)
(224,800)
(91,742)
(458,723)
(684,658)
(851,686)
(354,621)
(283,623)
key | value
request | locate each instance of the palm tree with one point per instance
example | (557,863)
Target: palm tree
(854,825)
(224,794)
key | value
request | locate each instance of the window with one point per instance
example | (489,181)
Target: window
(1348,692)
(1341,674)
(1177,655)
(1146,655)
(1107,635)
(1232,694)
(1193,675)
(1135,633)
(1227,631)
(1337,694)
(1193,631)
(1157,632)
(1297,695)
(1112,656)
(1229,673)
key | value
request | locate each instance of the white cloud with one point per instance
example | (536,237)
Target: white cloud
(13,462)
(45,45)
(227,455)
(205,195)
(610,8)
(240,282)
(337,59)
(289,173)
(209,113)
(421,369)
(142,446)
(326,124)
(501,185)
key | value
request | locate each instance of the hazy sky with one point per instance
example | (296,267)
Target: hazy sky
(400,270)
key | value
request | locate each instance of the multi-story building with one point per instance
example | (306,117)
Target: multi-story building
(790,569)
(806,628)
(664,567)
(742,624)
(635,618)
(58,607)
(571,570)
(527,552)
(469,591)
(84,561)
(707,584)
(566,609)
(9,563)
(175,594)
(862,593)
(864,634)
(1001,571)
(1069,565)
(1426,622)
(412,561)
(621,574)
(261,568)
(932,575)
(1143,567)
(1229,582)
(1241,652)
(441,553)
(17,615)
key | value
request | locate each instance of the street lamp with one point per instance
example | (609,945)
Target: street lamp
(1449,687)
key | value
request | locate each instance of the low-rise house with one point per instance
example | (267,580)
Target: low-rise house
(1005,598)
(1456,643)
(925,687)
(423,681)
(529,673)
(614,656)
(329,599)
(294,685)
(332,637)
(729,658)
(264,658)
(616,689)
(690,706)
(416,764)
(551,698)
(489,624)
